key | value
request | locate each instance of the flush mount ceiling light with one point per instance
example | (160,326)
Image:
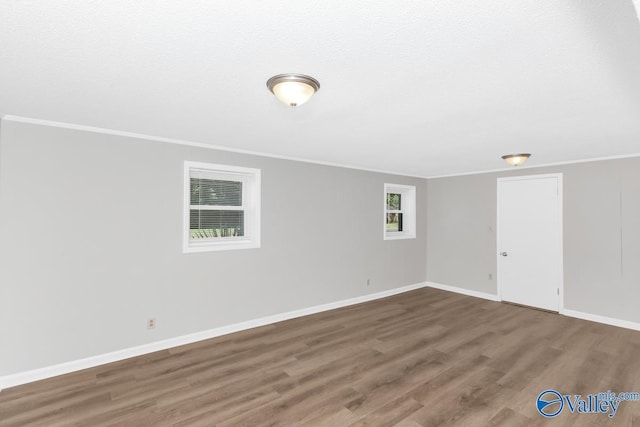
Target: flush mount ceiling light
(516,159)
(293,89)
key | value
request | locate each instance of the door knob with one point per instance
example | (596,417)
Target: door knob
(503,253)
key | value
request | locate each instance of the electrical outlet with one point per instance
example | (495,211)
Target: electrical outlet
(151,323)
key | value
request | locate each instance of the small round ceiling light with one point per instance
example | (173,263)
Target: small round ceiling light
(516,159)
(293,89)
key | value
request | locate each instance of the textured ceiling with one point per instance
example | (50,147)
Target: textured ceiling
(423,88)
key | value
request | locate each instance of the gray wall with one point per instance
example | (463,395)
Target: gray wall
(601,234)
(461,237)
(90,244)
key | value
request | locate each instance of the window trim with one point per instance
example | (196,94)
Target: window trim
(408,193)
(251,180)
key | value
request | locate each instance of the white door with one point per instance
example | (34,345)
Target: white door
(530,240)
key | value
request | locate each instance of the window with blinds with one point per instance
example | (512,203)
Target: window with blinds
(222,207)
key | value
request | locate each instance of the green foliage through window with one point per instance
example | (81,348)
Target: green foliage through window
(394,219)
(394,202)
(394,222)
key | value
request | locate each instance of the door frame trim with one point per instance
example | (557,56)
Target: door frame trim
(560,261)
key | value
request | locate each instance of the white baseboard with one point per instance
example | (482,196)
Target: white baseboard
(601,319)
(566,312)
(90,362)
(463,291)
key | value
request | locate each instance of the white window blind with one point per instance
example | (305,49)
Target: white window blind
(223,207)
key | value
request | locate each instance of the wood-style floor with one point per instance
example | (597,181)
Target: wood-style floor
(423,358)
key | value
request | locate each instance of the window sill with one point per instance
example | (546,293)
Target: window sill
(399,237)
(221,246)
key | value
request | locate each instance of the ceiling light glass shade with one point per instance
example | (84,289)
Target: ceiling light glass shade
(293,89)
(516,159)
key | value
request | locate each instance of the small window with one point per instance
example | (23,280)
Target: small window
(399,211)
(222,207)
